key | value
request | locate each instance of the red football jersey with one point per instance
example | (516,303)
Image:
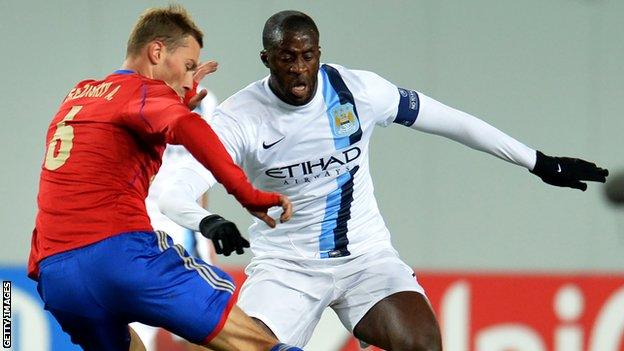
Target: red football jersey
(103,147)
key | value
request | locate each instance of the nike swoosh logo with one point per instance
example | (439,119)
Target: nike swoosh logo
(267,146)
(558,168)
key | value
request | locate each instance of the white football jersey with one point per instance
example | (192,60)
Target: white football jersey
(317,155)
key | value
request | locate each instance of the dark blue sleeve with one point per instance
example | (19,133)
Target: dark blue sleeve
(409,105)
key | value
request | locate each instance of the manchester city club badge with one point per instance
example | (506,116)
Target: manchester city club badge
(344,121)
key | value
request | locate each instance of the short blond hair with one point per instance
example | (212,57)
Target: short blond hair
(171,25)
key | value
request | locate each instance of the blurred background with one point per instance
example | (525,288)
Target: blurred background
(548,73)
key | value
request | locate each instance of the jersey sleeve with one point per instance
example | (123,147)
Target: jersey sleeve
(382,95)
(418,111)
(159,118)
(437,118)
(178,200)
(389,102)
(191,93)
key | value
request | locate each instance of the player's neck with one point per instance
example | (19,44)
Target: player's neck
(139,65)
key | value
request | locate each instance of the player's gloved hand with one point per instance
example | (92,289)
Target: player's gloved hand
(568,172)
(224,235)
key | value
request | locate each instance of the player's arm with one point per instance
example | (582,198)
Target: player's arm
(420,112)
(185,186)
(202,142)
(194,96)
(159,117)
(178,201)
(437,118)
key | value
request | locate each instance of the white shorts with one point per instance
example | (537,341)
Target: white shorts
(290,296)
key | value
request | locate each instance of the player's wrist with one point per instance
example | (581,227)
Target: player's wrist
(544,164)
(263,201)
(209,223)
(191,93)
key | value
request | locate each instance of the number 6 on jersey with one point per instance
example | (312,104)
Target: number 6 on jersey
(65,134)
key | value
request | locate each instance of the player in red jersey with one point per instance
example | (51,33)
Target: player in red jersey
(98,263)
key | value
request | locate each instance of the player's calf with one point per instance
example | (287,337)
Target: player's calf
(240,332)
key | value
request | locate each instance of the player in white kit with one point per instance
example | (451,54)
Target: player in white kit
(304,131)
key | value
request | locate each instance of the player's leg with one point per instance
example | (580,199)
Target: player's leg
(240,332)
(402,321)
(190,298)
(147,334)
(189,346)
(285,300)
(97,334)
(264,327)
(195,244)
(135,341)
(67,294)
(383,304)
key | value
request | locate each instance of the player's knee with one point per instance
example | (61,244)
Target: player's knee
(424,340)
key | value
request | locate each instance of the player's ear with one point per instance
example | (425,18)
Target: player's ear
(264,57)
(155,50)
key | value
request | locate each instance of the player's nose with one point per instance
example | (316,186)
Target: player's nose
(298,66)
(187,85)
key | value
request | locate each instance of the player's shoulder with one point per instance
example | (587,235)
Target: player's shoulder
(245,104)
(354,78)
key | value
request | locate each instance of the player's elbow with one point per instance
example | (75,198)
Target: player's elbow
(165,202)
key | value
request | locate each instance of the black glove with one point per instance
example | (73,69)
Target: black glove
(568,172)
(224,235)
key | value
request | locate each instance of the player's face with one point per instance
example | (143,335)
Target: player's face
(176,67)
(294,65)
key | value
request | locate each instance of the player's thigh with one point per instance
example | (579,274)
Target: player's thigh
(183,294)
(367,280)
(67,295)
(289,302)
(401,321)
(94,334)
(368,301)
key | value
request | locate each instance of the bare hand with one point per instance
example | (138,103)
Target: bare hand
(196,99)
(205,69)
(202,70)
(286,212)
